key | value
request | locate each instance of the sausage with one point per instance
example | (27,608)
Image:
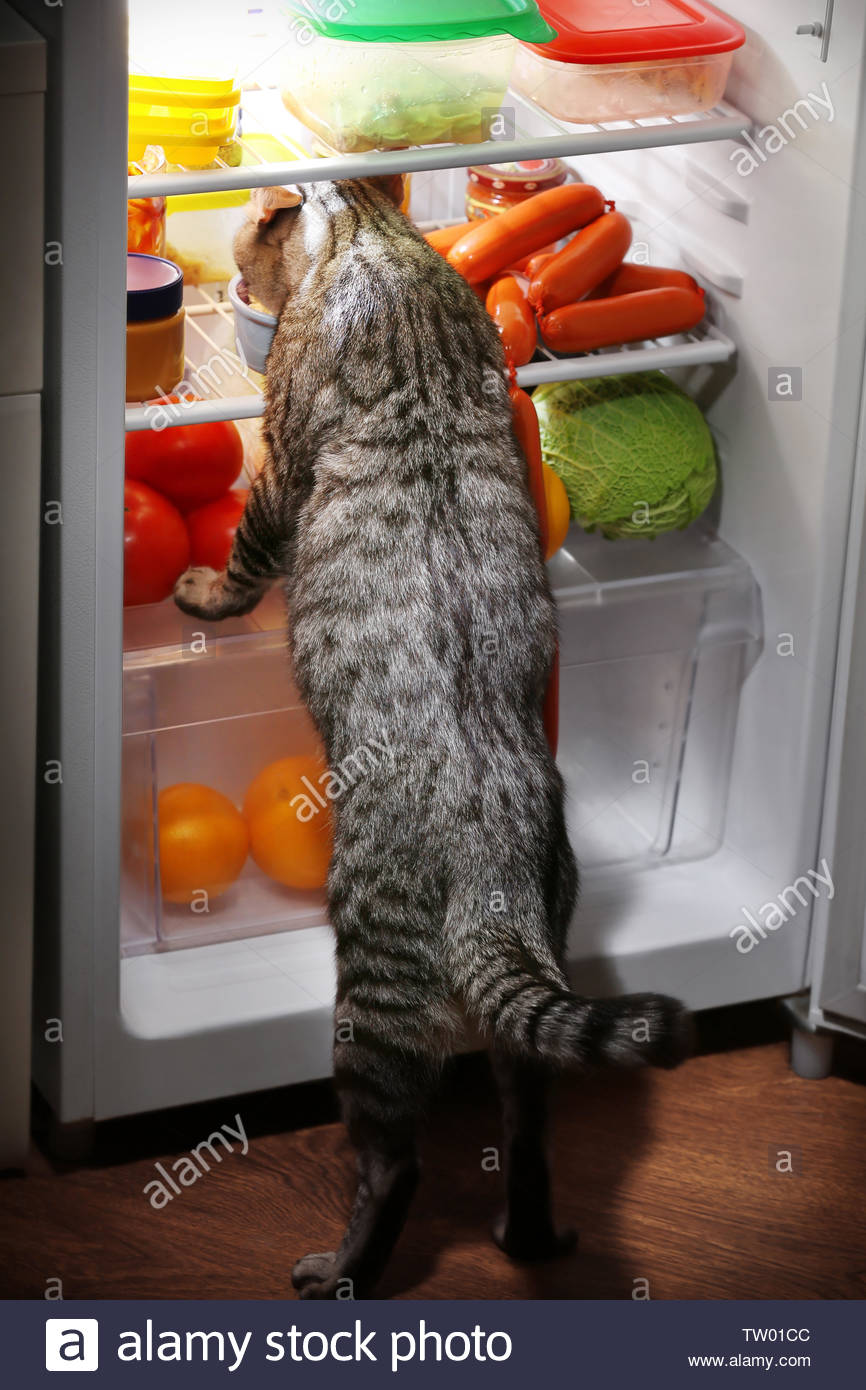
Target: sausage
(587,259)
(525,266)
(525,423)
(631,278)
(622,318)
(537,263)
(497,242)
(445,237)
(509,308)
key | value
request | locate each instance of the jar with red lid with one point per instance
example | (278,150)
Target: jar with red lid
(494,188)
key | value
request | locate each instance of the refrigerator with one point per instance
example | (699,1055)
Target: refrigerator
(713,680)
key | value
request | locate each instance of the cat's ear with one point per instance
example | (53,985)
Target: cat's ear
(391,185)
(265,203)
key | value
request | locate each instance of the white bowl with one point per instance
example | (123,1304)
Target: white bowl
(254,330)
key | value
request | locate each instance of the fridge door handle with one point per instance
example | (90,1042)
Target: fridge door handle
(817,29)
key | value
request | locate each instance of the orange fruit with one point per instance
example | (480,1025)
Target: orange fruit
(558,510)
(203,842)
(291,833)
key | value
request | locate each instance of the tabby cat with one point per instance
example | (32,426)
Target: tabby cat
(394,508)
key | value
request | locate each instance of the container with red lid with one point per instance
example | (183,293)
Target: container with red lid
(615,60)
(494,188)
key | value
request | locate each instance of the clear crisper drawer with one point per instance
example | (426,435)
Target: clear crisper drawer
(656,639)
(216,719)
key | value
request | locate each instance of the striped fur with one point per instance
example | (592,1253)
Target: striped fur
(395,508)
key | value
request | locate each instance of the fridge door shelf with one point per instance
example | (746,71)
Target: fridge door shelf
(524,132)
(656,639)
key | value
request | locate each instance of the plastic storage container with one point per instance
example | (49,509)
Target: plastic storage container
(191,118)
(618,60)
(200,232)
(655,644)
(183,93)
(395,73)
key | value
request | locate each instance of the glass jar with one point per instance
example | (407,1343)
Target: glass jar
(145,217)
(154,326)
(494,188)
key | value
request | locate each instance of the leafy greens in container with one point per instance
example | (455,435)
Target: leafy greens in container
(387,74)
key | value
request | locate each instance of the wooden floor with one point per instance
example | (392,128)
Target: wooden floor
(667,1177)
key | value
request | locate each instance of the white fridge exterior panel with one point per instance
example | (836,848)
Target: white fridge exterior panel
(19,565)
(22,83)
(81,575)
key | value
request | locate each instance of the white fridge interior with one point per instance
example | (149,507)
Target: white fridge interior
(697,669)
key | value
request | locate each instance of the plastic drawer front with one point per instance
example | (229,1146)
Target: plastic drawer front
(656,639)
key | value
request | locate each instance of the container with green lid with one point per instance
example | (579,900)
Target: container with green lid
(387,74)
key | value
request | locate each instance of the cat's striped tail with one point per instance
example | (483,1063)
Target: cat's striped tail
(524,1006)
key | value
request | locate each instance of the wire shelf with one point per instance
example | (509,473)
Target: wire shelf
(228,390)
(536,135)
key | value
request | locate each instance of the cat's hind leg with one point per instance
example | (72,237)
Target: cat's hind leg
(525,1230)
(381,1093)
(258,556)
(394,1023)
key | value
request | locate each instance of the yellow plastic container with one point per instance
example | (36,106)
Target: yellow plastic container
(191,118)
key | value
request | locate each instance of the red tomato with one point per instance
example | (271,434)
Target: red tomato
(155,545)
(189,464)
(212,528)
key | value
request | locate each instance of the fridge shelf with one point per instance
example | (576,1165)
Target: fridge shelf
(536,135)
(230,390)
(656,640)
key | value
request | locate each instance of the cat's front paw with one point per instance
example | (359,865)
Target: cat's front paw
(199,593)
